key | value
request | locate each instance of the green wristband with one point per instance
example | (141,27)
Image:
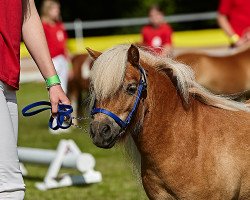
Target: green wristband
(53,80)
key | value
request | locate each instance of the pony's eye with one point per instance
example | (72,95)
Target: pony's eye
(131,89)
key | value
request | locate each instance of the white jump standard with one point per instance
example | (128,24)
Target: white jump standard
(67,155)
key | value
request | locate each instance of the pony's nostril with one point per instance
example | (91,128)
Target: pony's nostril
(105,129)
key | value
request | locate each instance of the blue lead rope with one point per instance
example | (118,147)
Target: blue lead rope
(63,118)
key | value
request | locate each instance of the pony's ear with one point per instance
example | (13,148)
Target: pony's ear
(133,55)
(93,54)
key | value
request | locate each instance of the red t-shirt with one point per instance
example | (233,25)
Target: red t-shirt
(56,38)
(10,38)
(238,13)
(157,37)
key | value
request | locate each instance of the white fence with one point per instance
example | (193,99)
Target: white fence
(78,26)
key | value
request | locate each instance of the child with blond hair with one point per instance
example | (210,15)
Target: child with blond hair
(56,38)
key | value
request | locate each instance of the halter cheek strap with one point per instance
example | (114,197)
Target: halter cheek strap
(118,120)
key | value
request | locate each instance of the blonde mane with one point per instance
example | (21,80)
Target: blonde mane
(108,72)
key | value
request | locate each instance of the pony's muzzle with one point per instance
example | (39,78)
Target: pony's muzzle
(103,134)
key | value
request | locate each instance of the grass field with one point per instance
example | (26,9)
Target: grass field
(118,180)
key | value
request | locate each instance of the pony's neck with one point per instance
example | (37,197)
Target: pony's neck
(163,98)
(164,107)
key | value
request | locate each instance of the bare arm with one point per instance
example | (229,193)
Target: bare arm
(225,25)
(35,41)
(227,28)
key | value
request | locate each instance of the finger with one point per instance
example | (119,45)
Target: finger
(65,100)
(54,108)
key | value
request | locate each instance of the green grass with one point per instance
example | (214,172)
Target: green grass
(118,181)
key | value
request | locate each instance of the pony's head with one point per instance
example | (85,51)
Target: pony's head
(118,83)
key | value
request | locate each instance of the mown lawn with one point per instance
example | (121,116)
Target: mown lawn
(118,181)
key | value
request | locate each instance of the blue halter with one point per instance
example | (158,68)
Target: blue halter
(64,114)
(123,124)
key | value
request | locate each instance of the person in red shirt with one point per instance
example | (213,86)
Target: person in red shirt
(157,34)
(56,36)
(234,18)
(20,17)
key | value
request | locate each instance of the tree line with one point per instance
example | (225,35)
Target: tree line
(112,9)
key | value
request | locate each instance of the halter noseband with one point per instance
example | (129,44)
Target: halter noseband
(123,124)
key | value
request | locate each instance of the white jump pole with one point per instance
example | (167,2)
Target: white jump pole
(45,157)
(67,155)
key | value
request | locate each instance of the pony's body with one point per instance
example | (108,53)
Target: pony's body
(221,74)
(195,154)
(189,150)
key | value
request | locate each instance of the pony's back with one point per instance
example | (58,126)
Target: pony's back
(220,74)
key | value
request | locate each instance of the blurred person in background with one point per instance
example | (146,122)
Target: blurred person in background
(157,34)
(56,36)
(20,17)
(234,18)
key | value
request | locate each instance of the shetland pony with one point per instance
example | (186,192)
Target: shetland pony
(192,144)
(221,74)
(79,84)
